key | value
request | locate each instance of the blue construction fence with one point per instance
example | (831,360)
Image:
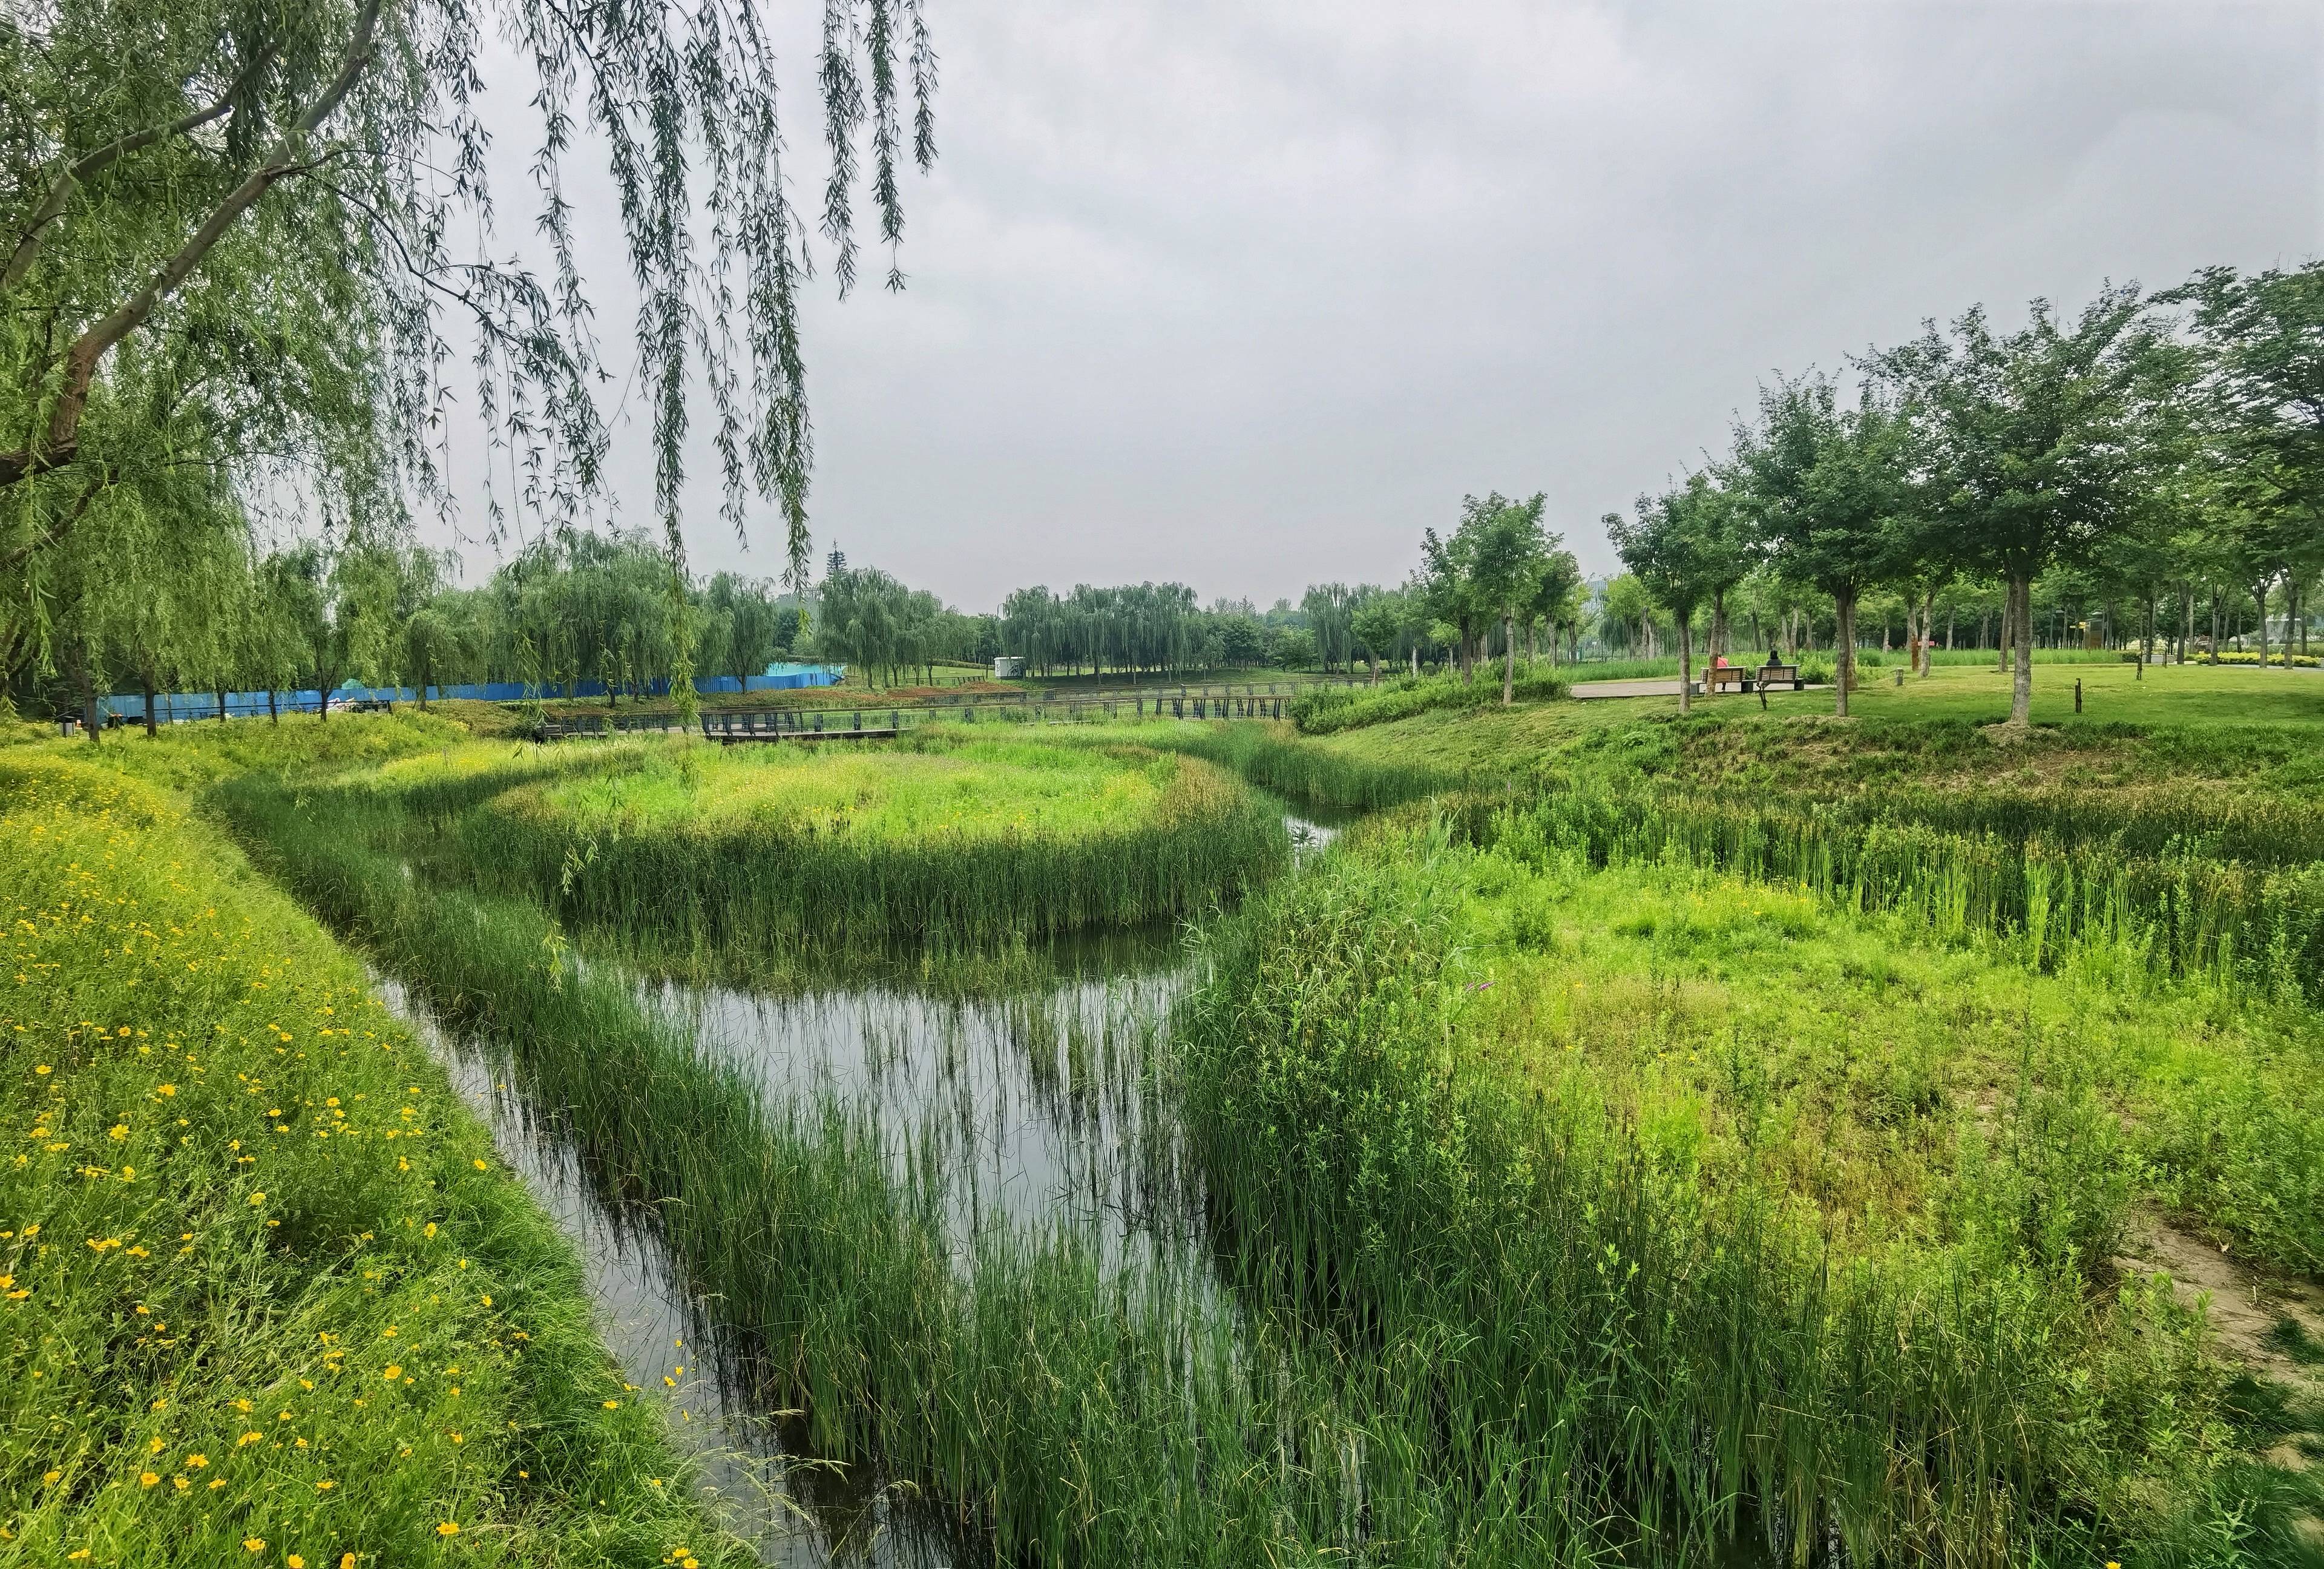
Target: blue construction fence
(170,709)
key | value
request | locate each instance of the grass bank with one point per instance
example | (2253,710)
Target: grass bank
(270,1298)
(2241,732)
(1822,1261)
(941,837)
(1274,756)
(1326,710)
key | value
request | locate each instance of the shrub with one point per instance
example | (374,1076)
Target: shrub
(2275,658)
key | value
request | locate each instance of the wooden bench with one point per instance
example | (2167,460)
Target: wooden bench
(1769,676)
(1725,677)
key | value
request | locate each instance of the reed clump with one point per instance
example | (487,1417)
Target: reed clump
(1677,1276)
(1048,1407)
(939,838)
(1273,756)
(2048,873)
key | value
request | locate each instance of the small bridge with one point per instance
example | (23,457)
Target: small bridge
(855,723)
(1236,700)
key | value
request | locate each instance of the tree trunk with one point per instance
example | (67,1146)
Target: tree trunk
(322,694)
(2259,594)
(1509,659)
(145,684)
(2215,626)
(1415,661)
(1844,674)
(273,714)
(1928,620)
(1685,662)
(2006,638)
(2020,681)
(76,657)
(221,702)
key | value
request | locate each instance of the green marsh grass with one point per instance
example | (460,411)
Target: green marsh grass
(1054,1410)
(2050,872)
(1324,710)
(941,837)
(267,1290)
(1824,1265)
(1519,1286)
(1792,1226)
(1273,756)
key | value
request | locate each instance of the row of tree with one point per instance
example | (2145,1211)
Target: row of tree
(2070,610)
(583,607)
(2155,451)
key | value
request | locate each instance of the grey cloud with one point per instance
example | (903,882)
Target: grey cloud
(1250,295)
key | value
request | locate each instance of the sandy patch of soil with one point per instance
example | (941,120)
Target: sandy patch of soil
(2245,1308)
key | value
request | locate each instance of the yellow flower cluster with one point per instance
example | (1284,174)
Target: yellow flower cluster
(223,1163)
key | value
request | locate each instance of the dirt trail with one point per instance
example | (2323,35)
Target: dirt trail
(2245,1309)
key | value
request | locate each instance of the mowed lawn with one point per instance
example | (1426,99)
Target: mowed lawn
(2287,706)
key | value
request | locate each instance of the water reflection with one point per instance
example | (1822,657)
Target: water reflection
(1036,1110)
(1037,1107)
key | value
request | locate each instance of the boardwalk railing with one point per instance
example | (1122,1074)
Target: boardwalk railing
(1256,700)
(730,726)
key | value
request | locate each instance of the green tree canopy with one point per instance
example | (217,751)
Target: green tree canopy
(233,240)
(1822,483)
(2033,439)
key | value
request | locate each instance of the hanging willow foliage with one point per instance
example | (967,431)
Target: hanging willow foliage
(241,234)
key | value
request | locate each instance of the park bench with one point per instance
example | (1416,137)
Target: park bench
(1726,679)
(1769,676)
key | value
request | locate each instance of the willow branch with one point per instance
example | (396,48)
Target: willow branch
(50,537)
(96,161)
(82,360)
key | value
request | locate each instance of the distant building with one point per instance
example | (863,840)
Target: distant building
(1009,668)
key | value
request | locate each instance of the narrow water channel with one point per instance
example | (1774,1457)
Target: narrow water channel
(1042,1109)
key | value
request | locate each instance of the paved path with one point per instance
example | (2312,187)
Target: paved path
(1626,688)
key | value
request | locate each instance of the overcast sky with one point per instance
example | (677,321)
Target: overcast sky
(1246,295)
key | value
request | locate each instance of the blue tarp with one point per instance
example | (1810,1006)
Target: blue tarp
(171,707)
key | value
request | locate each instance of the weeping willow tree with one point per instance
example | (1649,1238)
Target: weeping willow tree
(243,236)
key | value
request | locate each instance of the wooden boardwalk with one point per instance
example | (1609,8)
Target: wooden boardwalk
(1222,700)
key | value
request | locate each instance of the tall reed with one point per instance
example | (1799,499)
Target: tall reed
(1587,1327)
(1274,757)
(2193,913)
(1054,1411)
(789,881)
